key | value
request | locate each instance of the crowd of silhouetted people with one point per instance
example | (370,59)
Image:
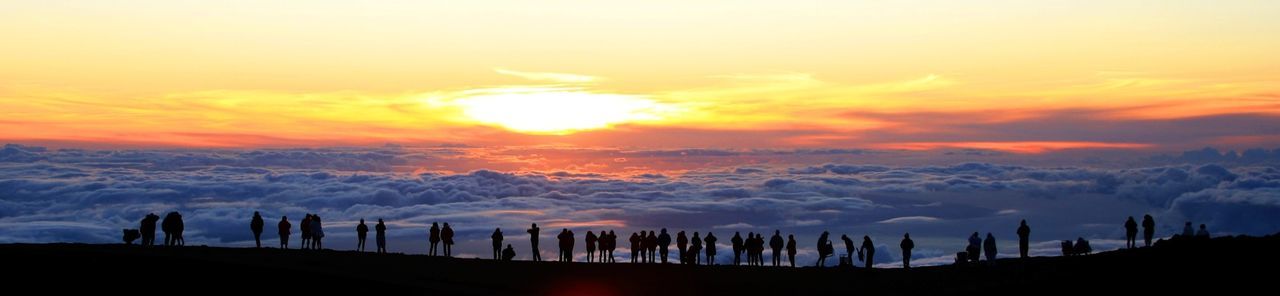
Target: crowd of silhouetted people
(648,246)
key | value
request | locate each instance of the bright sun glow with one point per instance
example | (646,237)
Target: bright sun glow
(558,111)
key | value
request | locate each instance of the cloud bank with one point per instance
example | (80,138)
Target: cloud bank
(88,195)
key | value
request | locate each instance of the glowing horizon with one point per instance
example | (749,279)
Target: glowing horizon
(1008,76)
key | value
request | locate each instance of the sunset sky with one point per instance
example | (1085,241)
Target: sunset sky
(1016,76)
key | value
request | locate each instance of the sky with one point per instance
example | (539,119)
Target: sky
(1006,75)
(938,118)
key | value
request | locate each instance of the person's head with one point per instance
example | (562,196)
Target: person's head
(284,217)
(508,246)
(651,233)
(906,235)
(361,220)
(664,230)
(535,225)
(1201,226)
(866,238)
(1024,222)
(842,236)
(446,224)
(379,220)
(1188,223)
(975,234)
(989,235)
(777,232)
(791,236)
(695,234)
(255,213)
(434,224)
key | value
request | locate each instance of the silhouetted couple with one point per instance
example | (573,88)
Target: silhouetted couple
(977,245)
(438,235)
(148,229)
(304,227)
(172,227)
(566,245)
(317,233)
(1131,231)
(606,242)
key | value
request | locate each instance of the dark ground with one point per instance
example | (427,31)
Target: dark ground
(1223,265)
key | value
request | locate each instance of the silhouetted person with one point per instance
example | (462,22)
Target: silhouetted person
(1068,249)
(974,250)
(256,225)
(664,241)
(651,245)
(1187,231)
(496,237)
(823,253)
(602,244)
(283,229)
(757,247)
(533,241)
(849,247)
(446,237)
(791,249)
(749,246)
(695,249)
(1024,239)
(613,245)
(1148,229)
(906,246)
(317,233)
(362,232)
(148,229)
(509,253)
(682,243)
(635,247)
(1202,233)
(591,245)
(433,237)
(304,228)
(380,233)
(989,247)
(1130,233)
(736,241)
(869,249)
(711,248)
(172,227)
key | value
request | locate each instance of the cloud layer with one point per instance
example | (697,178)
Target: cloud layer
(88,195)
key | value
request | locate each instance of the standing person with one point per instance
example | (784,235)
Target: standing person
(906,245)
(256,226)
(568,251)
(362,232)
(283,230)
(317,233)
(433,237)
(791,249)
(869,249)
(1187,231)
(682,243)
(304,228)
(635,247)
(849,248)
(446,236)
(602,244)
(989,246)
(695,248)
(651,242)
(148,229)
(613,245)
(711,248)
(591,245)
(664,241)
(1203,233)
(642,242)
(497,243)
(776,244)
(758,249)
(380,231)
(1024,239)
(737,247)
(533,241)
(1130,233)
(1148,229)
(749,246)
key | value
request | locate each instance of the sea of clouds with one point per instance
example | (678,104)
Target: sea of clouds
(70,195)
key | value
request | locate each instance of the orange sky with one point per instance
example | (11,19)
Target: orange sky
(1005,75)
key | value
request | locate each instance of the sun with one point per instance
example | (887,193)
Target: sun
(556,111)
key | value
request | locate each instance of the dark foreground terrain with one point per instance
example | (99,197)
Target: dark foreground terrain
(1223,265)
